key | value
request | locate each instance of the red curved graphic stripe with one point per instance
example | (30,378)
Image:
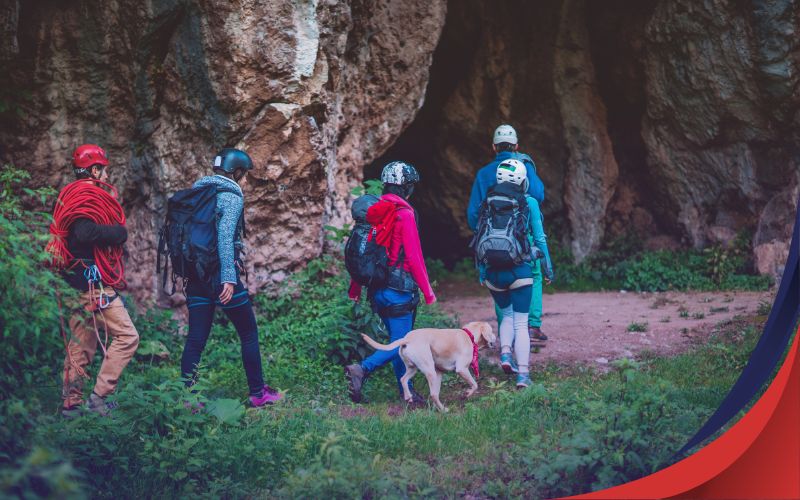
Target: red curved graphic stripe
(758,457)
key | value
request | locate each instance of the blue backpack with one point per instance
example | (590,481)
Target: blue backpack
(188,238)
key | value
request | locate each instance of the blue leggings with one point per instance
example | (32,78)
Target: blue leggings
(201,316)
(398,327)
(519,298)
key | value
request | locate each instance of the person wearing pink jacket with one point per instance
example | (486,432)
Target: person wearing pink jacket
(396,303)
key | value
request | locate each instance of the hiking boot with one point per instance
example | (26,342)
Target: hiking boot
(268,396)
(355,380)
(507,363)
(536,334)
(72,412)
(523,380)
(99,405)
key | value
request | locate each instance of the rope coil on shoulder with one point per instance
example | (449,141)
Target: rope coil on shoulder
(87,199)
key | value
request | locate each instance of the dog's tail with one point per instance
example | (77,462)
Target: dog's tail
(382,347)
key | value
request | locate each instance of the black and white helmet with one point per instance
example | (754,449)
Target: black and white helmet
(399,173)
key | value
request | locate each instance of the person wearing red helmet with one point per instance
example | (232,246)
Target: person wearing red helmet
(88,234)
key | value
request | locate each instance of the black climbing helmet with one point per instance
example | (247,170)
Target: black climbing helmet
(229,160)
(399,173)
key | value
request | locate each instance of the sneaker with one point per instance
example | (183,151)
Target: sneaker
(268,396)
(195,407)
(507,363)
(355,380)
(523,380)
(99,405)
(536,334)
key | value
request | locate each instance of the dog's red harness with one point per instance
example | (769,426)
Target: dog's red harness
(474,364)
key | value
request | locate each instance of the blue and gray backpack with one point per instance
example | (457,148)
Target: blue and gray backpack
(188,238)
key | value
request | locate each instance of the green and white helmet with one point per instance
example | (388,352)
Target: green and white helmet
(505,133)
(512,171)
(399,173)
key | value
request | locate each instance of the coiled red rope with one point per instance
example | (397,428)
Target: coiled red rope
(86,199)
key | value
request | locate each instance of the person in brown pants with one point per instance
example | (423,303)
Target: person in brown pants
(100,313)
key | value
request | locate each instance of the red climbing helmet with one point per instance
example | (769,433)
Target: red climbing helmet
(87,155)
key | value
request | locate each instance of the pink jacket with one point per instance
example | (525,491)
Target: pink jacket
(404,235)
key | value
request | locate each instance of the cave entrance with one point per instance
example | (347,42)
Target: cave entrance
(483,74)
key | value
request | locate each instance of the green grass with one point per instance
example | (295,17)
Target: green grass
(574,430)
(638,327)
(316,443)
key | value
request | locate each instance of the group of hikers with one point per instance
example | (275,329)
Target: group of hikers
(202,238)
(510,249)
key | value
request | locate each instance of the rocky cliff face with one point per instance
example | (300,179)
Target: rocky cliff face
(312,89)
(675,118)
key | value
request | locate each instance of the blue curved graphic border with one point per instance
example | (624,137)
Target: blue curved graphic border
(768,351)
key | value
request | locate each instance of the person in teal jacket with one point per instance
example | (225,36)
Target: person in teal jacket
(505,144)
(511,288)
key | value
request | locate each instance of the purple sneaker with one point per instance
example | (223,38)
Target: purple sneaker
(194,407)
(268,396)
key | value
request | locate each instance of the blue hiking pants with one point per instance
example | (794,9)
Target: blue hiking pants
(202,300)
(398,327)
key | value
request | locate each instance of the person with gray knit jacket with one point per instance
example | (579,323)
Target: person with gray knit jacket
(226,289)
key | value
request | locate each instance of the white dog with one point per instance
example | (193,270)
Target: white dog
(433,351)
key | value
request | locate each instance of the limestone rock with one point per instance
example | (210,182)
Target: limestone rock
(312,89)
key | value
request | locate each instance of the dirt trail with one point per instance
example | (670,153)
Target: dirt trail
(592,327)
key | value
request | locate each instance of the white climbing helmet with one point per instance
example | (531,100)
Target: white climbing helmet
(399,173)
(505,133)
(512,171)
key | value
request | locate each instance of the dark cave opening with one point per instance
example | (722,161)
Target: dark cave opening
(517,88)
(418,144)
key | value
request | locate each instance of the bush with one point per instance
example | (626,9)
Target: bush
(622,263)
(337,472)
(665,270)
(617,441)
(711,269)
(29,312)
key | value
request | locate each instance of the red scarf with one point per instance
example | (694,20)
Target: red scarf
(474,364)
(382,217)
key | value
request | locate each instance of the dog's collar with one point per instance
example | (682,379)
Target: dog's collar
(474,364)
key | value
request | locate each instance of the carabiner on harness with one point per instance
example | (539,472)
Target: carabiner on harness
(92,274)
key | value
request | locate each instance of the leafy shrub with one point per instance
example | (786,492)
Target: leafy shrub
(622,263)
(665,270)
(638,327)
(338,472)
(41,474)
(617,441)
(29,315)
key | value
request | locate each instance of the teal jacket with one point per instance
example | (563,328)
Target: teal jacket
(538,236)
